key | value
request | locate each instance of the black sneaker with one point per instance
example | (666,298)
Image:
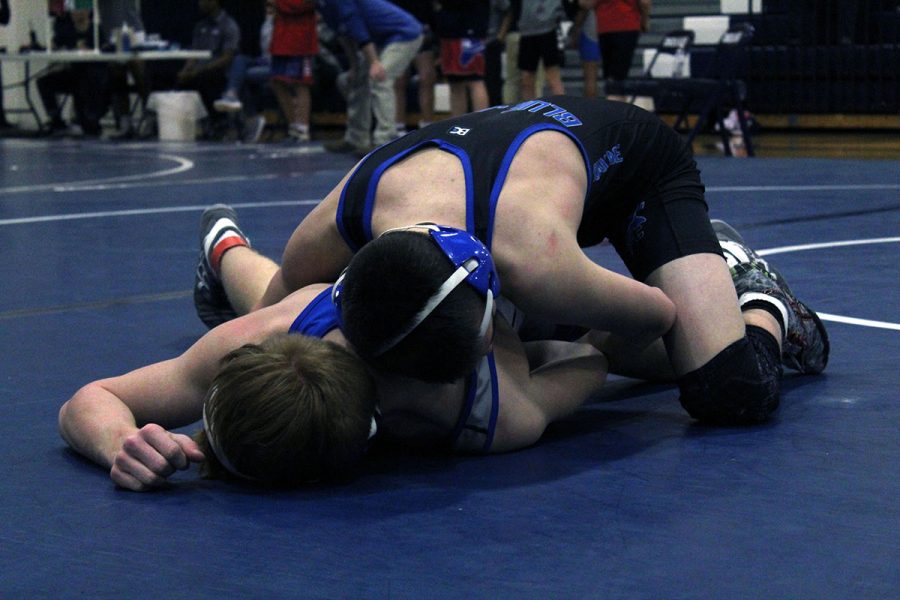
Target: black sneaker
(805,347)
(210,299)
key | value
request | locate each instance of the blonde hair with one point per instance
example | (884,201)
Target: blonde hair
(290,410)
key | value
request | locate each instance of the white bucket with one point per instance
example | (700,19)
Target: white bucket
(177,114)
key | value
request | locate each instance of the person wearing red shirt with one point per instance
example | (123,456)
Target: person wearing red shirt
(295,44)
(619,24)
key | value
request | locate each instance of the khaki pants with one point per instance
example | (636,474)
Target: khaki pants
(366,98)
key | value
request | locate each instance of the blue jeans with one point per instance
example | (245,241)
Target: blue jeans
(248,77)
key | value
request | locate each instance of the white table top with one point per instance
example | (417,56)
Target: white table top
(92,56)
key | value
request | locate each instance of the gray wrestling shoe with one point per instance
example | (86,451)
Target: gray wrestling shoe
(806,345)
(210,299)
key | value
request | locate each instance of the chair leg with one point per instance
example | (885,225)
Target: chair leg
(711,104)
(682,118)
(724,132)
(745,129)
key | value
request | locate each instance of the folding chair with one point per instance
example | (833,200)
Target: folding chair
(674,46)
(720,89)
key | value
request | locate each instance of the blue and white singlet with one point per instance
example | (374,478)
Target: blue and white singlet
(474,431)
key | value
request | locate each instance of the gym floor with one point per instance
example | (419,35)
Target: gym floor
(627,499)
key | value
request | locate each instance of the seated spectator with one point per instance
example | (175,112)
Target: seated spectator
(114,15)
(86,82)
(216,32)
(247,81)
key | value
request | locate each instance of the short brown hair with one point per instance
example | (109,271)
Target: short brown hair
(291,410)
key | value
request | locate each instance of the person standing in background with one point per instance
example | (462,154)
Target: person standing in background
(538,45)
(493,52)
(425,66)
(248,79)
(583,37)
(380,40)
(295,44)
(619,25)
(462,26)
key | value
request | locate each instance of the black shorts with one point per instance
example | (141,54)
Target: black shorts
(670,222)
(617,51)
(430,43)
(536,48)
(646,196)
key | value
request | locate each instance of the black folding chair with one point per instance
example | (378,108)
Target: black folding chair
(676,44)
(720,89)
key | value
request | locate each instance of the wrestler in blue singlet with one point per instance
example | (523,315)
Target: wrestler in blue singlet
(474,431)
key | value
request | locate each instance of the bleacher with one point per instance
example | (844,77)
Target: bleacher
(822,62)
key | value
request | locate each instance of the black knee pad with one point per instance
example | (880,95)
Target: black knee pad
(733,388)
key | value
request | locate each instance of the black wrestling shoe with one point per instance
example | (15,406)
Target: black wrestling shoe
(218,232)
(805,347)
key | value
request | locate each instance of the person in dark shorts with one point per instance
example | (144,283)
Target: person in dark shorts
(537,182)
(295,44)
(461,28)
(538,44)
(619,25)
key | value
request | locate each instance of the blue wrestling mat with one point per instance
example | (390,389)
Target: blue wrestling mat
(627,499)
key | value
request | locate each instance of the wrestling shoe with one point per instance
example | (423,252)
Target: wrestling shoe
(219,231)
(805,347)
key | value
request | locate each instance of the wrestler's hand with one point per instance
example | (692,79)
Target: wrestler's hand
(149,455)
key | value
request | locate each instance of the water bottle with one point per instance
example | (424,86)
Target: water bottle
(680,60)
(126,38)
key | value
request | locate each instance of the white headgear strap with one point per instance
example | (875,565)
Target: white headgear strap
(213,443)
(452,282)
(220,453)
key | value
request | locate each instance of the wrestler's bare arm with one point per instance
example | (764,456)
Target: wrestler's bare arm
(122,422)
(314,253)
(562,285)
(543,269)
(532,398)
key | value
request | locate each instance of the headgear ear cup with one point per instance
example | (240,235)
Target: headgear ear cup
(336,291)
(461,246)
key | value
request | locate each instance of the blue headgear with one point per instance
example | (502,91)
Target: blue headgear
(473,263)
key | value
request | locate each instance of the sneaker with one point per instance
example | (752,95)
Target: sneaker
(254,128)
(298,135)
(227,104)
(122,134)
(218,229)
(147,127)
(806,345)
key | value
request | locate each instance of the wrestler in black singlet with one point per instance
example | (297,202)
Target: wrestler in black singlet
(644,191)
